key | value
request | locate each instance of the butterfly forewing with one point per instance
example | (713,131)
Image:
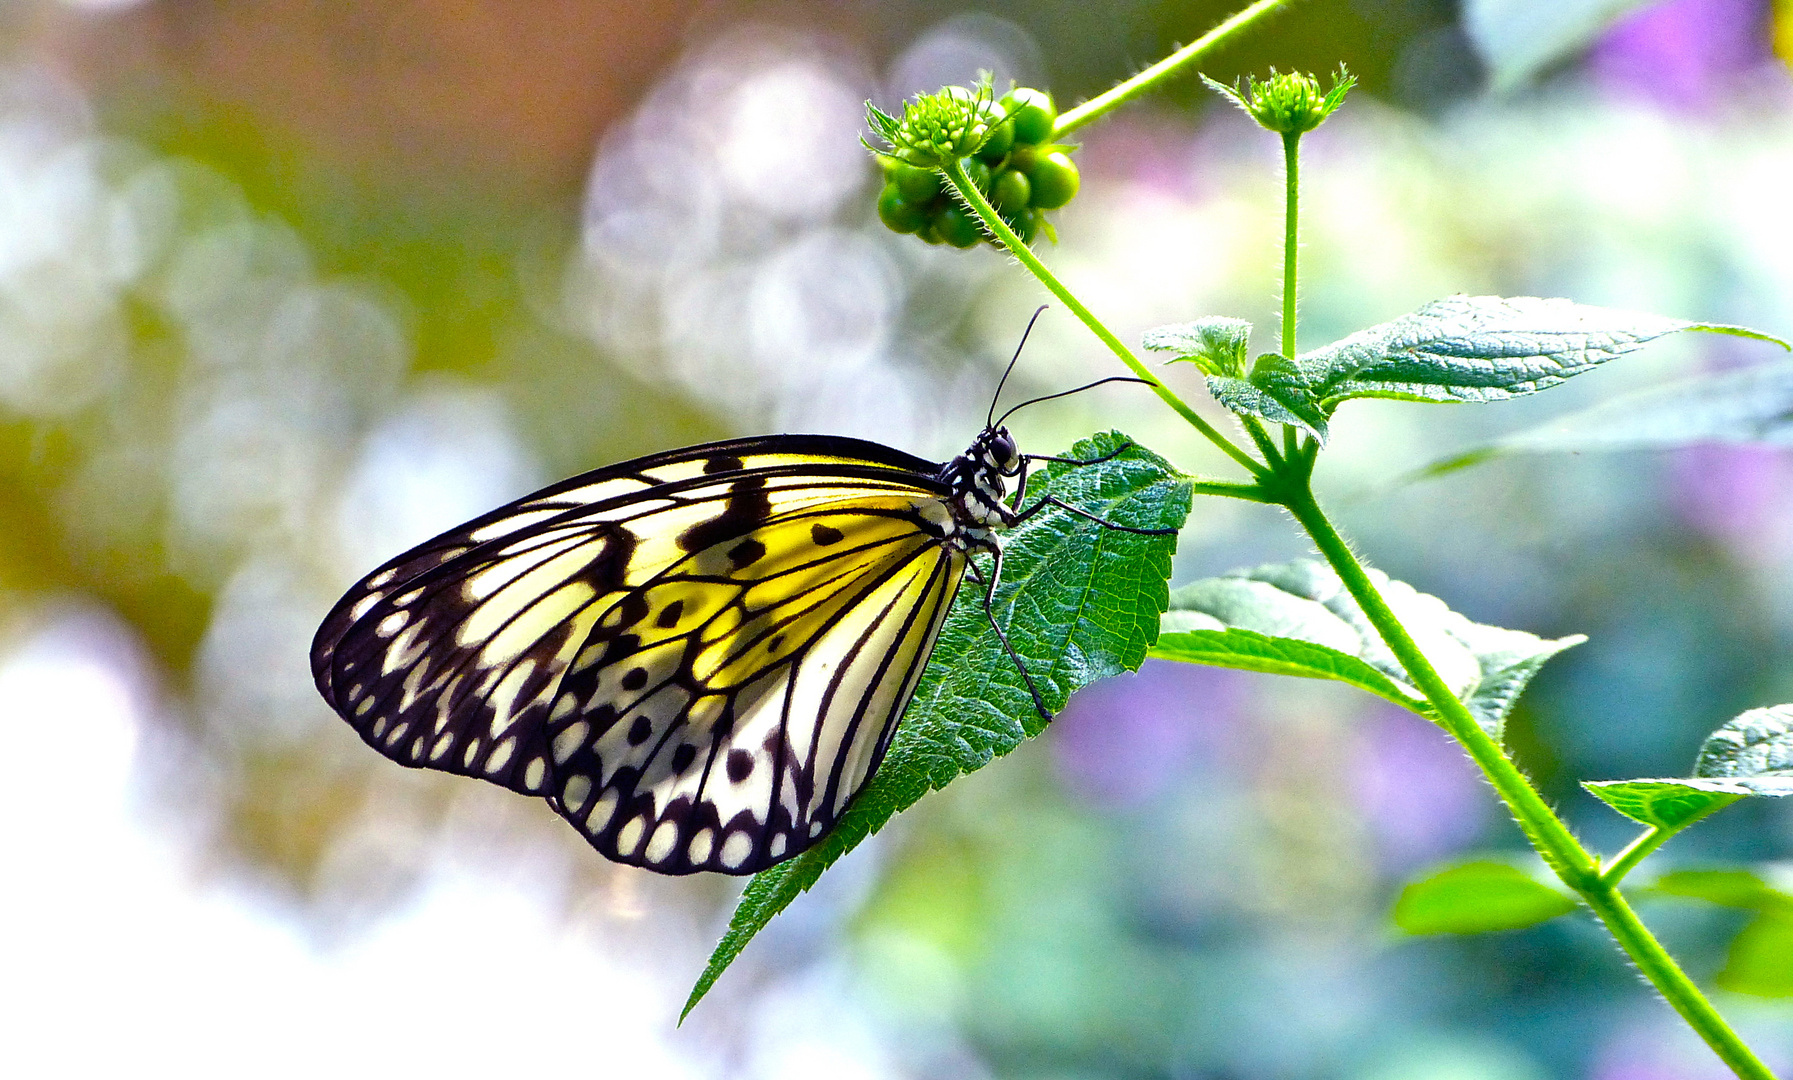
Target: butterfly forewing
(742,622)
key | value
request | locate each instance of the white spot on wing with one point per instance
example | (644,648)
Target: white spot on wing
(736,849)
(501,756)
(666,837)
(628,838)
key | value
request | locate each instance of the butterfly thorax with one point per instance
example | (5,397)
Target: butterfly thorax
(976,483)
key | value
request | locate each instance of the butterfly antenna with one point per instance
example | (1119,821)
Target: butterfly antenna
(994,398)
(1068,393)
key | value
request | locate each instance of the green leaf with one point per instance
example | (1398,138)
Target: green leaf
(1754,750)
(1761,958)
(1754,405)
(1728,887)
(1079,602)
(1216,344)
(1276,392)
(1750,755)
(1297,619)
(1669,805)
(1471,349)
(1477,897)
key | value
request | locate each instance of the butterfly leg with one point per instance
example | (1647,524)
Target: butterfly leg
(1023,515)
(1029,459)
(990,613)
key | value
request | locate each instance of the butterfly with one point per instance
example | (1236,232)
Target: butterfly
(697,657)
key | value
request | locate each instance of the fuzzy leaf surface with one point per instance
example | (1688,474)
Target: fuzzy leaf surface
(1079,602)
(1479,897)
(1217,344)
(1482,348)
(1754,750)
(1296,618)
(1669,805)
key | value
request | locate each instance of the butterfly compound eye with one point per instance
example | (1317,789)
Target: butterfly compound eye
(1003,451)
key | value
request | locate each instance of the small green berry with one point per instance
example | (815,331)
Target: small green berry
(917,185)
(1002,137)
(978,173)
(1032,112)
(1012,191)
(956,226)
(1026,224)
(897,212)
(1054,178)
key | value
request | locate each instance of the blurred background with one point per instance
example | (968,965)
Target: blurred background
(286,287)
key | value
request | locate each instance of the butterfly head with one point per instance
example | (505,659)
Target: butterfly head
(995,450)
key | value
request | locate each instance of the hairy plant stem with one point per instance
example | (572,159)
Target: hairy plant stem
(1635,852)
(1291,156)
(1572,863)
(973,198)
(1177,63)
(1230,489)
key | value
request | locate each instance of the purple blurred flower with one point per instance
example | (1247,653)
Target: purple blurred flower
(1648,1051)
(1123,740)
(1681,53)
(1419,795)
(1740,495)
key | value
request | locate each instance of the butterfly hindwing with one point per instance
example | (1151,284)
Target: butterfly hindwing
(739,700)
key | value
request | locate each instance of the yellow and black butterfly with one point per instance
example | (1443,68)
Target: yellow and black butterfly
(698,657)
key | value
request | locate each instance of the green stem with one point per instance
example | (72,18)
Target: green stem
(1255,428)
(1673,984)
(1170,67)
(1635,852)
(973,198)
(1231,490)
(1546,831)
(1291,155)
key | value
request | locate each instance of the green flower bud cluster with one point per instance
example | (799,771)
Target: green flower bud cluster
(1289,104)
(1013,162)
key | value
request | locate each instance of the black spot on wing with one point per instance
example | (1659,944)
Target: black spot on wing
(746,509)
(823,535)
(669,617)
(746,553)
(740,765)
(723,463)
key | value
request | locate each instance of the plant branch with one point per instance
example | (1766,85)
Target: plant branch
(1673,984)
(1172,66)
(1635,852)
(1291,153)
(1548,834)
(1231,490)
(974,199)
